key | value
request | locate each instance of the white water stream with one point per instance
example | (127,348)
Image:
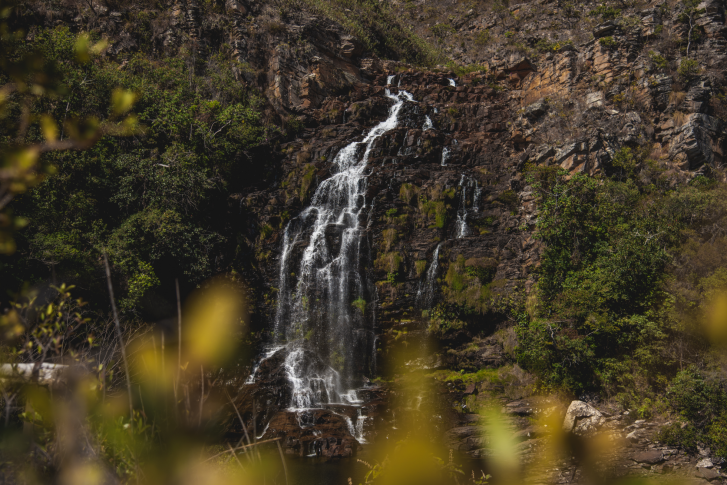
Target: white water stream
(425,295)
(320,278)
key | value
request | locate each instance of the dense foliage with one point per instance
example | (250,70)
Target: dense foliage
(153,201)
(627,278)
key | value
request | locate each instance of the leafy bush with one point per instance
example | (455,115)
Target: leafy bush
(605,12)
(468,285)
(379,27)
(440,31)
(608,42)
(688,69)
(694,398)
(658,60)
(543,45)
(460,71)
(679,435)
(359,303)
(483,37)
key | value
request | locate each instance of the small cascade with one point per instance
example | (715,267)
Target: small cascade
(445,156)
(264,431)
(428,125)
(360,422)
(351,397)
(425,295)
(265,356)
(310,387)
(468,186)
(452,83)
(390,79)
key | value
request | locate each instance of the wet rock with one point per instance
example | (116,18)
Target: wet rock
(318,432)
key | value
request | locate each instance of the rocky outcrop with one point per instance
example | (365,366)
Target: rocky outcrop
(582,418)
(627,447)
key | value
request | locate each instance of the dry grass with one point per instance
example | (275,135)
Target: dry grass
(390,238)
(680,118)
(676,98)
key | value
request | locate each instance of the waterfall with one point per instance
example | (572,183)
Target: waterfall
(390,79)
(461,227)
(445,156)
(425,295)
(428,125)
(315,315)
(451,82)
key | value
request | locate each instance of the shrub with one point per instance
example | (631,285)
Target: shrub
(408,192)
(305,184)
(469,284)
(658,60)
(420,266)
(543,45)
(483,37)
(460,71)
(605,12)
(266,231)
(688,69)
(440,31)
(359,303)
(608,42)
(680,435)
(694,398)
(717,436)
(389,262)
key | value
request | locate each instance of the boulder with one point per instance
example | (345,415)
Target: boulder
(594,100)
(582,418)
(649,457)
(707,473)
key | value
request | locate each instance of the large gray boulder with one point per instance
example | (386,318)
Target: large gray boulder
(582,418)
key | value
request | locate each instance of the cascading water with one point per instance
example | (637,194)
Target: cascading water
(428,125)
(445,156)
(425,295)
(452,83)
(315,314)
(461,227)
